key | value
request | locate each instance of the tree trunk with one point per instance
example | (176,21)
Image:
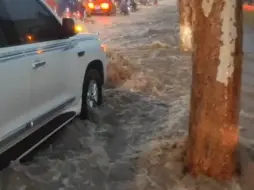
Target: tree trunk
(185,13)
(216,84)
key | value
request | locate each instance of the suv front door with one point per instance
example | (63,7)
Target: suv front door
(39,28)
(14,79)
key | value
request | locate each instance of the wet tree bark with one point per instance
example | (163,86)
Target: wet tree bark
(185,14)
(217,67)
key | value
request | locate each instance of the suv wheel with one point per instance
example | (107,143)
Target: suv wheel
(92,93)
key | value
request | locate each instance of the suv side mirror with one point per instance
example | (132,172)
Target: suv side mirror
(68,27)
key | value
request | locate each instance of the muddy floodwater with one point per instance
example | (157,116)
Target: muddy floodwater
(152,104)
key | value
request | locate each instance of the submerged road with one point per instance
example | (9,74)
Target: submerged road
(247,96)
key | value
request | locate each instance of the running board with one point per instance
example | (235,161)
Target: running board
(27,145)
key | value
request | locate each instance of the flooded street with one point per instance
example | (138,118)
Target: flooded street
(247,103)
(151,104)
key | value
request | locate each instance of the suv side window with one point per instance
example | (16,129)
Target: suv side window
(3,41)
(8,34)
(32,21)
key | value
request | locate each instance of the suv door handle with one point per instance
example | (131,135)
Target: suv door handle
(38,64)
(81,53)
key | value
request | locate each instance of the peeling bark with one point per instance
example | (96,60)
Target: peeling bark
(216,84)
(185,13)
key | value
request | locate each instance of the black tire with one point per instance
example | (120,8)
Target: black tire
(113,11)
(91,75)
(111,14)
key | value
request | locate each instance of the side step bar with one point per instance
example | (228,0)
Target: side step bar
(24,147)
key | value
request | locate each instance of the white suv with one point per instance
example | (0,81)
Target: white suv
(46,71)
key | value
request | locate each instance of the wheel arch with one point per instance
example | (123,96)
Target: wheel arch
(97,65)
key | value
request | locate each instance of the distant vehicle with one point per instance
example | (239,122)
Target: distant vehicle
(124,8)
(106,7)
(132,6)
(249,2)
(49,74)
(77,14)
(248,5)
(71,9)
(52,4)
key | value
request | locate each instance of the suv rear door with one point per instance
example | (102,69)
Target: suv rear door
(39,28)
(14,79)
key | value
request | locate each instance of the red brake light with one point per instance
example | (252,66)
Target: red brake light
(105,6)
(91,5)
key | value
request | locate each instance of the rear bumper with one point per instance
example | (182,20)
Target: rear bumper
(99,11)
